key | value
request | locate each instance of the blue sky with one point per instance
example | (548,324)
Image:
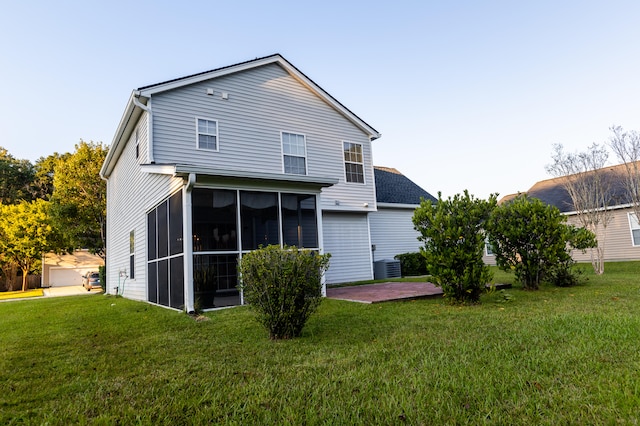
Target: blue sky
(467,94)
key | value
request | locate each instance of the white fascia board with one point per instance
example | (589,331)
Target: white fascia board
(186,169)
(616,207)
(127,122)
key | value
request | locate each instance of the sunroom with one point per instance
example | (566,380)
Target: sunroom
(228,214)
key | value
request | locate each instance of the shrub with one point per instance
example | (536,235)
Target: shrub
(283,286)
(412,264)
(453,236)
(102,271)
(533,239)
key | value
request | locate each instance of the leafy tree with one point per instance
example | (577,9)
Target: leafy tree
(79,206)
(283,286)
(16,177)
(25,233)
(453,234)
(532,238)
(583,176)
(42,186)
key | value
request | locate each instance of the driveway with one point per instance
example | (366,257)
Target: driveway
(70,290)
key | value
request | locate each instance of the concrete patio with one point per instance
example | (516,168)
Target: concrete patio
(384,292)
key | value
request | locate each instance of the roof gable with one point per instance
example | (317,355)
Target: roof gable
(139,98)
(553,192)
(395,188)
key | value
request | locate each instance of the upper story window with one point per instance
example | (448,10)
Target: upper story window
(207,134)
(294,154)
(353,163)
(635,229)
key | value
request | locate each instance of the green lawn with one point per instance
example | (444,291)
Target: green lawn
(555,356)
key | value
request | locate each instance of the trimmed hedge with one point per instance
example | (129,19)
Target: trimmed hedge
(412,264)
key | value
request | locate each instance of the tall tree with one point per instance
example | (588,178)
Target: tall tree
(626,146)
(26,233)
(590,188)
(16,177)
(79,200)
(44,168)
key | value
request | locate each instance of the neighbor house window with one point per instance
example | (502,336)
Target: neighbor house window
(207,134)
(635,229)
(294,153)
(353,164)
(132,255)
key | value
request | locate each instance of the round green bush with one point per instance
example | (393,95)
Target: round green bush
(283,286)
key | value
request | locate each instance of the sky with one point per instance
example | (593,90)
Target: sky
(468,95)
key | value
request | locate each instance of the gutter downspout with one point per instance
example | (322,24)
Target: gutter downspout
(147,109)
(187,241)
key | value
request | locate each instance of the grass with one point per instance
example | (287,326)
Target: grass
(5,295)
(554,356)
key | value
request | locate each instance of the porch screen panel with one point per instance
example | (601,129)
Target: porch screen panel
(163,282)
(163,230)
(152,243)
(259,216)
(175,224)
(299,222)
(152,282)
(215,280)
(214,220)
(176,278)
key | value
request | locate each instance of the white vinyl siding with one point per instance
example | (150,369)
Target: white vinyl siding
(130,194)
(262,103)
(294,153)
(392,232)
(346,237)
(207,134)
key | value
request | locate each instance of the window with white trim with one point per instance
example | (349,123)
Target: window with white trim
(294,153)
(635,229)
(207,134)
(353,162)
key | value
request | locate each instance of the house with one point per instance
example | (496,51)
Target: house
(622,237)
(68,269)
(205,168)
(392,230)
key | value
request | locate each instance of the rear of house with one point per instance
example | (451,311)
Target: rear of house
(207,167)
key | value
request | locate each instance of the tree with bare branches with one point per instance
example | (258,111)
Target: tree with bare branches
(584,178)
(626,146)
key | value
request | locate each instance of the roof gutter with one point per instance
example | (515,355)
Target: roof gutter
(147,109)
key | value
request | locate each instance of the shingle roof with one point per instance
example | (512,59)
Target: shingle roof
(552,191)
(394,187)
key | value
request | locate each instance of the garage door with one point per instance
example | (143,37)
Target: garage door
(64,277)
(346,237)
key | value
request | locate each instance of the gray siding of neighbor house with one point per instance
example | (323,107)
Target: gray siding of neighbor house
(392,232)
(618,242)
(130,194)
(346,237)
(262,102)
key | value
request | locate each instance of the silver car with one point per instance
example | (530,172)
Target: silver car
(91,280)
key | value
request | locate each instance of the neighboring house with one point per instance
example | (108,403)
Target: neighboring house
(392,230)
(622,238)
(67,269)
(205,168)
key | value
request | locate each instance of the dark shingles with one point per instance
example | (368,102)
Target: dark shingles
(553,192)
(394,187)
